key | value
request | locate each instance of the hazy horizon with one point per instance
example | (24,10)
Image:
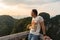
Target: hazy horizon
(23,16)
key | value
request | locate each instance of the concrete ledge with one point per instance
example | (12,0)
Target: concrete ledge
(16,36)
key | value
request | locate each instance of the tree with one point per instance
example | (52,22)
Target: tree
(54,30)
(45,15)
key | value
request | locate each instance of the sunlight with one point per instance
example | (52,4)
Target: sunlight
(3,6)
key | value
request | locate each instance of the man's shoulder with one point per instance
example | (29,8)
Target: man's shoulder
(39,17)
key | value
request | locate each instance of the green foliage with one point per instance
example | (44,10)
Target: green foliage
(54,29)
(22,24)
(6,25)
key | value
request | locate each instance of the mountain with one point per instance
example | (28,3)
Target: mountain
(6,24)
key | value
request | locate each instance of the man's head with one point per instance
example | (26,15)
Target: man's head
(34,13)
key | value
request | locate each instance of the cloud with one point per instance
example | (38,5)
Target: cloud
(24,7)
(14,11)
(51,8)
(21,9)
(28,2)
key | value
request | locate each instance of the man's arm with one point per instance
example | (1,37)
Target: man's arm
(43,27)
(31,26)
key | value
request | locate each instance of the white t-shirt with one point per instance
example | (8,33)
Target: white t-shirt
(37,20)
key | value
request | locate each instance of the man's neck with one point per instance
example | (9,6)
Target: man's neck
(35,16)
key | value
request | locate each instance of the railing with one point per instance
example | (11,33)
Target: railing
(17,36)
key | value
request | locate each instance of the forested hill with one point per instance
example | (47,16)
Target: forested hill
(6,24)
(9,25)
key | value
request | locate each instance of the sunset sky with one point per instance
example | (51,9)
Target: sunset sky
(24,7)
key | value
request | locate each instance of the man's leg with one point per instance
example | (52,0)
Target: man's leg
(30,36)
(35,37)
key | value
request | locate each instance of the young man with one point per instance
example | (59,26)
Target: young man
(35,26)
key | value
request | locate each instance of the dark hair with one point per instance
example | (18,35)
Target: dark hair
(35,11)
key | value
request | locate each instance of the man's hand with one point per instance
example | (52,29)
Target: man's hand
(34,25)
(28,26)
(47,38)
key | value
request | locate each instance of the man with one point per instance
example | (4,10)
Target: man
(35,26)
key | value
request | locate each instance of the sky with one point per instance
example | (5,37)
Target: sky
(23,7)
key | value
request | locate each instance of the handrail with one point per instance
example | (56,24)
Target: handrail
(16,36)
